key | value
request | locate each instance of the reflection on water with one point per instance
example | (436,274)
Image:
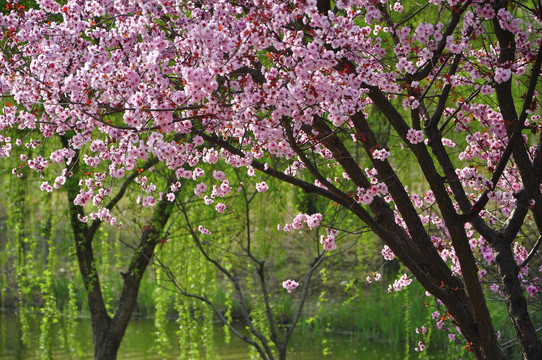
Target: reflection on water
(138,341)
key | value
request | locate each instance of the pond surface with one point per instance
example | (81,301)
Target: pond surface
(138,342)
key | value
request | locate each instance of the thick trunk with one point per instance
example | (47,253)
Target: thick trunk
(106,347)
(108,331)
(465,302)
(529,343)
(482,343)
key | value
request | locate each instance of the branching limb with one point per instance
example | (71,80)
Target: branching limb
(532,253)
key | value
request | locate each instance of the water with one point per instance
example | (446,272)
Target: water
(138,341)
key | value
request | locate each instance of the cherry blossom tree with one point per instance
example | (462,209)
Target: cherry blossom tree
(298,90)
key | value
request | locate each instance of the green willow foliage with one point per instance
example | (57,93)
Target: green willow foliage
(22,248)
(31,255)
(49,308)
(195,318)
(162,303)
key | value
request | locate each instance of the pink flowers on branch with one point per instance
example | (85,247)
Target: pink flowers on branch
(310,97)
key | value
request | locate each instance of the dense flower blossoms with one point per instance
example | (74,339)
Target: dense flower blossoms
(398,119)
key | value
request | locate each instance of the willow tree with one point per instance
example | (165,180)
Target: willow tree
(287,88)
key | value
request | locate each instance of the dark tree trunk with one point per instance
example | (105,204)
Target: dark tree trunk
(528,341)
(108,331)
(106,348)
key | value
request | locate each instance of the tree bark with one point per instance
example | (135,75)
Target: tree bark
(516,304)
(108,331)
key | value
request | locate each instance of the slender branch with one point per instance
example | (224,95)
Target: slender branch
(443,97)
(311,188)
(206,300)
(529,95)
(516,219)
(200,246)
(304,294)
(261,265)
(233,278)
(97,222)
(532,253)
(426,69)
(513,342)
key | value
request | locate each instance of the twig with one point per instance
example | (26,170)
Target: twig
(532,253)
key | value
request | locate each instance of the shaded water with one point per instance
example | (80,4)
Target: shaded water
(138,341)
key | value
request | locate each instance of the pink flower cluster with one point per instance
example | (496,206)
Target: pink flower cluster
(420,347)
(381,154)
(415,136)
(289,285)
(312,221)
(387,253)
(375,277)
(328,241)
(262,186)
(400,283)
(203,230)
(366,196)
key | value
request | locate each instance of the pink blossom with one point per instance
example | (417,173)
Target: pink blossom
(289,285)
(502,75)
(495,288)
(198,140)
(382,154)
(486,90)
(262,186)
(314,220)
(203,230)
(401,283)
(387,253)
(532,290)
(200,189)
(448,143)
(219,175)
(220,207)
(198,172)
(46,187)
(208,200)
(375,277)
(328,241)
(415,136)
(298,221)
(421,346)
(366,198)
(176,186)
(183,173)
(149,201)
(487,12)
